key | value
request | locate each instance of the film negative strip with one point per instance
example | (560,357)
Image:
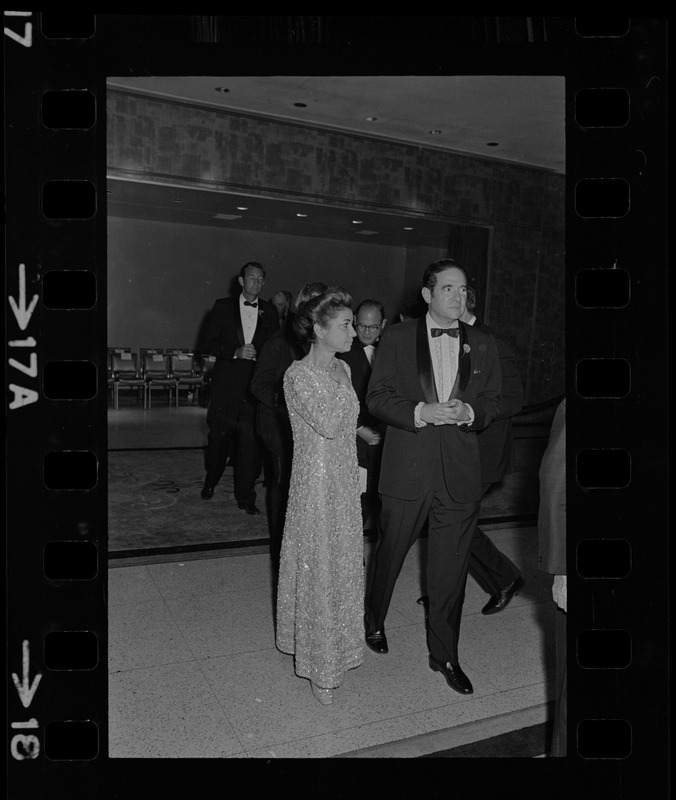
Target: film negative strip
(55,130)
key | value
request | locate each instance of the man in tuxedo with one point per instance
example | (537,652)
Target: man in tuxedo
(282,302)
(235,332)
(435,383)
(370,321)
(489,567)
(274,426)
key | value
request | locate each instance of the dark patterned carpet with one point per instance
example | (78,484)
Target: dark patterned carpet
(154,504)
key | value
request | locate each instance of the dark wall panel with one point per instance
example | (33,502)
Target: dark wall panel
(163,279)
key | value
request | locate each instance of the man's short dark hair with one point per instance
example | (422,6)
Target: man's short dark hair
(370,303)
(248,264)
(429,279)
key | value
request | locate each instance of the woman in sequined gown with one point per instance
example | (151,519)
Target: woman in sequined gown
(320,594)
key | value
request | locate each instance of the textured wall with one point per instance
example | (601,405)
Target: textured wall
(163,278)
(159,140)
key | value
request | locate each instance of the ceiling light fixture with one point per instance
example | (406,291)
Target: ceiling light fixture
(492,144)
(301,215)
(300,105)
(407,228)
(436,133)
(221,89)
(242,208)
(370,119)
(357,221)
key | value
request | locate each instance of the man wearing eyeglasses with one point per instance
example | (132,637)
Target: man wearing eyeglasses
(369,321)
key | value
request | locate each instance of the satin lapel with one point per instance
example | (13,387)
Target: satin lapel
(464,360)
(424,359)
(463,373)
(237,320)
(258,330)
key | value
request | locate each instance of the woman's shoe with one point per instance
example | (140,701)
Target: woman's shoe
(325,696)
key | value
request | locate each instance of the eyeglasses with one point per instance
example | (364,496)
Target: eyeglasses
(368,328)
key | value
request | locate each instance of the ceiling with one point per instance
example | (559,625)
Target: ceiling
(519,119)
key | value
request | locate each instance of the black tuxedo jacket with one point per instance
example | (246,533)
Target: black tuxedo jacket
(495,441)
(267,386)
(360,370)
(415,458)
(222,336)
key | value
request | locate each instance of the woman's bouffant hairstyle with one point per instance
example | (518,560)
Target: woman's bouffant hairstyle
(317,303)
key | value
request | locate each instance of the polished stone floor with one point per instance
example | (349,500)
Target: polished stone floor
(194,672)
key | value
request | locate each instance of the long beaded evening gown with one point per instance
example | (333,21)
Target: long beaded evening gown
(320,594)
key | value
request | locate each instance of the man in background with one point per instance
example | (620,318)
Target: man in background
(489,567)
(235,332)
(274,426)
(370,321)
(282,302)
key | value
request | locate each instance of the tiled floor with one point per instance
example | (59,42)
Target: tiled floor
(194,671)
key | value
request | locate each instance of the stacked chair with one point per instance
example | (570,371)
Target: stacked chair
(156,372)
(125,375)
(186,369)
(169,370)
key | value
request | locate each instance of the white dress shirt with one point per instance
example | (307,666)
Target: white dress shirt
(445,353)
(249,316)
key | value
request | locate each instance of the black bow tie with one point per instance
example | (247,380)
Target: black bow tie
(455,332)
(373,344)
(253,305)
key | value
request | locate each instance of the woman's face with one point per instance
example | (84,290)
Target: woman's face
(338,334)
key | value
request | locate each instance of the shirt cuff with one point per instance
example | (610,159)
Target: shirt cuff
(419,423)
(467,423)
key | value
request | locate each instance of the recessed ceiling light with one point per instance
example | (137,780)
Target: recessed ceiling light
(492,144)
(436,133)
(407,228)
(300,105)
(357,221)
(301,215)
(242,208)
(370,119)
(221,89)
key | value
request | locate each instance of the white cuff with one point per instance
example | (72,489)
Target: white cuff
(419,423)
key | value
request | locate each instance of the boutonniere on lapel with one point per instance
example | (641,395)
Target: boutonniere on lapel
(260,312)
(465,349)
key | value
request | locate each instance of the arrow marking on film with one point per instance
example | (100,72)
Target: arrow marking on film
(22,313)
(25,689)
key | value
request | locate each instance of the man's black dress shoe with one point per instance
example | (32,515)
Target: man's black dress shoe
(376,640)
(250,508)
(207,493)
(454,675)
(498,602)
